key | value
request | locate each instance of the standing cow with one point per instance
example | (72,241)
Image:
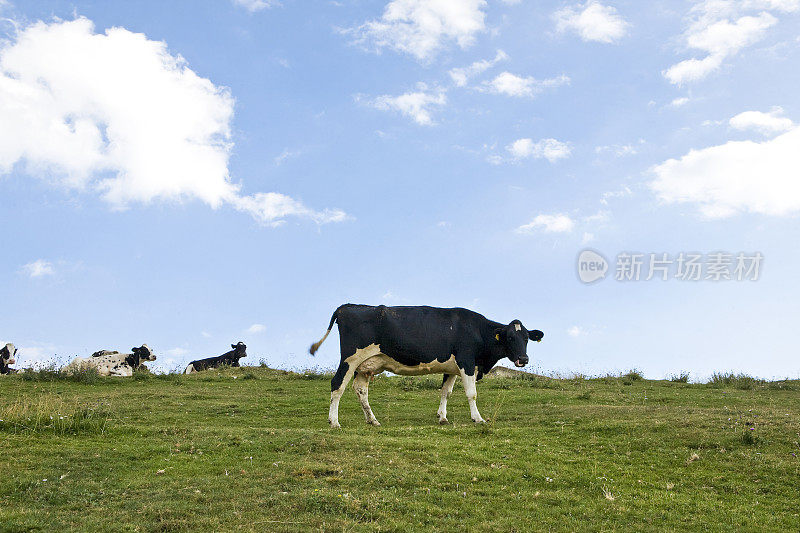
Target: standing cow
(420,340)
(7,359)
(112,363)
(227,359)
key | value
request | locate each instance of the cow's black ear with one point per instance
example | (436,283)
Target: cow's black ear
(233,346)
(500,334)
(134,350)
(535,335)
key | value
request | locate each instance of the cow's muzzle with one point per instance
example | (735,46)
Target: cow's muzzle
(522,361)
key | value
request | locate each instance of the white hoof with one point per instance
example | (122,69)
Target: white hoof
(334,424)
(443,421)
(479,420)
(374,423)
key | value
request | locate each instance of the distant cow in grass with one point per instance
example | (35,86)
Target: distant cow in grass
(420,340)
(7,359)
(111,363)
(227,359)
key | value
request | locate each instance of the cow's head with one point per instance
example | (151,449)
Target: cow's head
(239,350)
(514,340)
(141,354)
(8,352)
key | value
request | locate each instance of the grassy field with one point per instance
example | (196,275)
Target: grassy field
(249,449)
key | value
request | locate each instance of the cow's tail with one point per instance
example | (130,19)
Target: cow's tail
(316,345)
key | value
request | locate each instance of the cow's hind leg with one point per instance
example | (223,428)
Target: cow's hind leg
(447,388)
(361,386)
(338,384)
(472,395)
(344,373)
(342,377)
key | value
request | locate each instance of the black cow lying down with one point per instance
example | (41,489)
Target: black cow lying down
(7,358)
(420,340)
(228,358)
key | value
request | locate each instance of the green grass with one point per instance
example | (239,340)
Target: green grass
(250,449)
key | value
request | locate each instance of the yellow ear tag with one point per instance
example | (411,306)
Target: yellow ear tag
(497,336)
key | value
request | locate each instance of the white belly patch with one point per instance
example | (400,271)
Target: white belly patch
(381,362)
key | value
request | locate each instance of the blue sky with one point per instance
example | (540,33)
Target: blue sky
(192,174)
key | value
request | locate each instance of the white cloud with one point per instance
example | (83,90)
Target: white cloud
(735,177)
(256,5)
(721,29)
(550,149)
(38,268)
(512,85)
(621,193)
(415,105)
(587,238)
(422,27)
(766,123)
(558,223)
(205,334)
(37,356)
(176,352)
(461,76)
(619,150)
(118,115)
(598,218)
(592,21)
(256,328)
(679,102)
(576,331)
(286,155)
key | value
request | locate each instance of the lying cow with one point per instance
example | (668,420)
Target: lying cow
(227,359)
(7,359)
(111,363)
(420,340)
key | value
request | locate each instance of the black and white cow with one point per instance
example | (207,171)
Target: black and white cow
(111,363)
(228,359)
(420,340)
(7,359)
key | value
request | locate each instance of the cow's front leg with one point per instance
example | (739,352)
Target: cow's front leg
(361,386)
(447,388)
(472,395)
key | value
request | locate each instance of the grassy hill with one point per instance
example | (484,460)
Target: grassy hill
(249,449)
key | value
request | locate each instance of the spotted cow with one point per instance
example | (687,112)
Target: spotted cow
(7,359)
(227,359)
(420,340)
(110,363)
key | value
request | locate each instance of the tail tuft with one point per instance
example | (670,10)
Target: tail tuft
(314,347)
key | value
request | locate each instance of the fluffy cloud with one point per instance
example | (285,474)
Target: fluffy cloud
(461,76)
(766,123)
(256,5)
(550,149)
(735,177)
(721,29)
(118,115)
(559,223)
(256,328)
(415,105)
(575,331)
(38,268)
(421,27)
(592,21)
(512,85)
